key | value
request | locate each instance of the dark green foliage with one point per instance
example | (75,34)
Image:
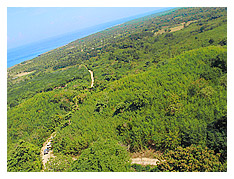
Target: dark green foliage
(216,135)
(191,159)
(147,168)
(102,156)
(211,41)
(24,158)
(223,42)
(220,62)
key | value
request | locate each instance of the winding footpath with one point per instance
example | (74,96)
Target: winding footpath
(92,78)
(91,74)
(46,157)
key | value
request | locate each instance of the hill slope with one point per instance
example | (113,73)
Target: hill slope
(160,85)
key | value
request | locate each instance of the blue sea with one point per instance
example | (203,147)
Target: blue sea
(30,51)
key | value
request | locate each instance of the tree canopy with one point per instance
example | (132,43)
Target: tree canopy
(160,84)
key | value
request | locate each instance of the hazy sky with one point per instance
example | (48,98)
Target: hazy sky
(27,24)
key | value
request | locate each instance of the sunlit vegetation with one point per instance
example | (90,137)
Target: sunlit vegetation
(43,82)
(163,108)
(103,156)
(25,158)
(36,118)
(191,159)
(160,85)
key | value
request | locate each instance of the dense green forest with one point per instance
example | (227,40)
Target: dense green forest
(160,86)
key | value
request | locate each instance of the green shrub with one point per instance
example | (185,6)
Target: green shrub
(102,156)
(140,168)
(24,158)
(191,159)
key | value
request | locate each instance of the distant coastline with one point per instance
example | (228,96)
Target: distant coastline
(27,52)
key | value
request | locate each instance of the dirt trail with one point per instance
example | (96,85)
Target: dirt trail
(92,78)
(91,74)
(46,157)
(145,161)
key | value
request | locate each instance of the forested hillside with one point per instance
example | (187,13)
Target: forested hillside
(160,86)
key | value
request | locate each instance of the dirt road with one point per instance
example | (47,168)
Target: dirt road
(145,161)
(91,74)
(92,78)
(46,157)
